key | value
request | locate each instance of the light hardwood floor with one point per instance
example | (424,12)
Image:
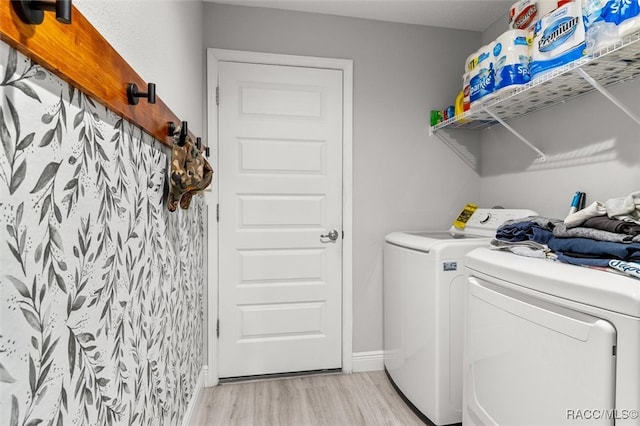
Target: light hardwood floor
(327,399)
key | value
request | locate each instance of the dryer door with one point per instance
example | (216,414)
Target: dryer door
(530,362)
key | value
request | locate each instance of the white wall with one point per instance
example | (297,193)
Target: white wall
(590,147)
(496,29)
(162,41)
(403,179)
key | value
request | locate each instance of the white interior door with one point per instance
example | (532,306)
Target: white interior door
(280,190)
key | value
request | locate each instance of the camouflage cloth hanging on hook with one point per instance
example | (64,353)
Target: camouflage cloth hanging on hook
(190,174)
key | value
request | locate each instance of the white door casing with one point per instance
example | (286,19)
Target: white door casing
(284,292)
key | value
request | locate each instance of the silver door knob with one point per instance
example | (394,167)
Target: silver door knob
(332,235)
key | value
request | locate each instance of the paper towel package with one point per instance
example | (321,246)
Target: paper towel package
(471,62)
(629,16)
(511,57)
(482,76)
(524,14)
(466,91)
(469,65)
(558,38)
(608,21)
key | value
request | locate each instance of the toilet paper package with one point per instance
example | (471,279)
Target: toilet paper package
(511,57)
(558,38)
(608,21)
(524,14)
(481,84)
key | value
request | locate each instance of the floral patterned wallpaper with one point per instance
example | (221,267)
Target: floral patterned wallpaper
(101,288)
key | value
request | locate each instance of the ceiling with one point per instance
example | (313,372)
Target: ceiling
(474,15)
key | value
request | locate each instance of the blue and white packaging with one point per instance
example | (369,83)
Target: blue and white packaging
(608,21)
(481,84)
(558,38)
(511,57)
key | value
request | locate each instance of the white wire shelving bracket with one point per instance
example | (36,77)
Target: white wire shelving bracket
(608,95)
(541,155)
(612,64)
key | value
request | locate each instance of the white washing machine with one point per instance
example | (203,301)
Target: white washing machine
(424,286)
(549,343)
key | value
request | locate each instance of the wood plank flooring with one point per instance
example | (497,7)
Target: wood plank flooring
(319,400)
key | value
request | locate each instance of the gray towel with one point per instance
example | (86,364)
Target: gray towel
(561,231)
(612,225)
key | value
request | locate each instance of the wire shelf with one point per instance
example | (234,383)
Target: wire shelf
(612,64)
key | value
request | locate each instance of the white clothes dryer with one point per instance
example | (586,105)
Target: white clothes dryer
(548,343)
(424,285)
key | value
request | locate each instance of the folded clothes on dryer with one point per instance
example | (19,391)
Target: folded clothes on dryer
(537,236)
(583,261)
(594,209)
(561,231)
(531,228)
(623,208)
(588,248)
(612,225)
(523,248)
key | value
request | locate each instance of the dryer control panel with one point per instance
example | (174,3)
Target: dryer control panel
(484,222)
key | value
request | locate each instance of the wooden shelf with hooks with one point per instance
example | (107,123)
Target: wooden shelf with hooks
(80,55)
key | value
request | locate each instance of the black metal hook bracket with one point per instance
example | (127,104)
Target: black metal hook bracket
(133,94)
(179,134)
(171,129)
(184,132)
(32,11)
(199,146)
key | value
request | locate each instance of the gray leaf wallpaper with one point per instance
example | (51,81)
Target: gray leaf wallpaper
(101,287)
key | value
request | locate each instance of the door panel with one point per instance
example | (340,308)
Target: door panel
(282,156)
(280,180)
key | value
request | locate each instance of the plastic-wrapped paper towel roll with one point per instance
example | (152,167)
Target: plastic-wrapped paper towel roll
(558,38)
(482,76)
(469,65)
(608,21)
(629,20)
(471,62)
(511,57)
(466,91)
(524,14)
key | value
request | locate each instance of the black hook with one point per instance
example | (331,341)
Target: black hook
(179,134)
(199,146)
(133,94)
(184,131)
(32,11)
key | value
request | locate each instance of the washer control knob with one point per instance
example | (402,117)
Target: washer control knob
(486,218)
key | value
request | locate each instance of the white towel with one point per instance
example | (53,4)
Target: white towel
(578,218)
(627,208)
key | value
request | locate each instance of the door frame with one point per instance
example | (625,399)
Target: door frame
(214,56)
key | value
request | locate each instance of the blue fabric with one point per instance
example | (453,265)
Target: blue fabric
(524,231)
(583,261)
(595,249)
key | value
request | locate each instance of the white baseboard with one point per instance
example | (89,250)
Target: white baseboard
(190,413)
(368,361)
